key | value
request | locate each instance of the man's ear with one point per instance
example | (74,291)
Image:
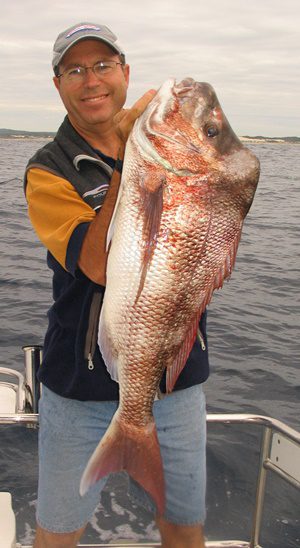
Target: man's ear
(126,70)
(56,82)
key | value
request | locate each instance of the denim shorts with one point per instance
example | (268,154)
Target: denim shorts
(69,432)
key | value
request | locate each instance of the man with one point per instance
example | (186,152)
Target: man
(71,187)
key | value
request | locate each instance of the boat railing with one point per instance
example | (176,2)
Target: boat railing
(279,449)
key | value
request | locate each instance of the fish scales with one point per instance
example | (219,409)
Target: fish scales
(187,185)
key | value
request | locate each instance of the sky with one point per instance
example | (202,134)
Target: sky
(249,50)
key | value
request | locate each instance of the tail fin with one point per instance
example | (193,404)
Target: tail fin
(131,448)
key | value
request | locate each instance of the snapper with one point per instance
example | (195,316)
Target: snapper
(187,185)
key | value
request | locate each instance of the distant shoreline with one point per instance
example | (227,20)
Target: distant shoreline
(259,139)
(19,134)
(279,140)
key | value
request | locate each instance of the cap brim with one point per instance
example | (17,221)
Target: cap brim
(58,59)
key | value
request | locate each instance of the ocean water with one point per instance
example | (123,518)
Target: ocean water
(254,334)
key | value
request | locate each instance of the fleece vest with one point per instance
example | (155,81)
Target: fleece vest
(69,156)
(72,365)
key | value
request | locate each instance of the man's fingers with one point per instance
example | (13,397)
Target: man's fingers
(140,105)
(125,119)
(118,117)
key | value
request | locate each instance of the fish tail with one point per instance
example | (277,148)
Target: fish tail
(133,449)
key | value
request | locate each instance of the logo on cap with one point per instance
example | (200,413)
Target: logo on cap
(81,28)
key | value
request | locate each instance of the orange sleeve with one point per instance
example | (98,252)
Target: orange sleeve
(55,210)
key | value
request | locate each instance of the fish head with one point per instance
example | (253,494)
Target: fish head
(199,105)
(185,130)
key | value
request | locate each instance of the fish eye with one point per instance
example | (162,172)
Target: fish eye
(212,131)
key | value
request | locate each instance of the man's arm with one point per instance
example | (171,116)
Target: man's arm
(56,211)
(93,255)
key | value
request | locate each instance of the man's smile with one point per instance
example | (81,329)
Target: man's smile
(95,98)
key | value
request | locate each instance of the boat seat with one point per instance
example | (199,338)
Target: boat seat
(7,522)
(8,398)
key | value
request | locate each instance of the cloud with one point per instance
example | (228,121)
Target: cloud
(249,51)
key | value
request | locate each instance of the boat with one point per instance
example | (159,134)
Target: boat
(279,451)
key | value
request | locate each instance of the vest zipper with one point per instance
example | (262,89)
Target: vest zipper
(90,362)
(91,334)
(201,339)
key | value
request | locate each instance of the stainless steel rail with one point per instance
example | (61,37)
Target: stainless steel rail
(127,544)
(286,470)
(262,420)
(216,418)
(33,355)
(25,419)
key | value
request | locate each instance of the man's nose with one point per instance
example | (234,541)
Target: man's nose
(90,78)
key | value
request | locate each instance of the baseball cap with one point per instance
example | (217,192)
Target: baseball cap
(83,31)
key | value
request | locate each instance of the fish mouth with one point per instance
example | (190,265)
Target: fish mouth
(155,114)
(184,88)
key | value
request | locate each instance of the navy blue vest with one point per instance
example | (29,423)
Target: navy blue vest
(72,364)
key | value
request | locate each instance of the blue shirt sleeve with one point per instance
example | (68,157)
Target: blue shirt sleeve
(74,247)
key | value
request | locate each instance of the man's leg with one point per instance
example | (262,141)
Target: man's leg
(69,432)
(173,533)
(45,539)
(180,536)
(181,426)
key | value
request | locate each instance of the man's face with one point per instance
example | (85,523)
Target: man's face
(92,102)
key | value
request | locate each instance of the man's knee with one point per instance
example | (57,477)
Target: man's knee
(180,536)
(46,539)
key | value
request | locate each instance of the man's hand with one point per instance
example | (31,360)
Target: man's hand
(125,119)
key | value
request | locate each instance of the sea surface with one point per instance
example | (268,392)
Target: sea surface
(254,342)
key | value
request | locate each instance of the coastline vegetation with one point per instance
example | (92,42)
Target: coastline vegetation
(20,134)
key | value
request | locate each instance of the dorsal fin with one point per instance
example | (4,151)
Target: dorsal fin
(227,267)
(224,272)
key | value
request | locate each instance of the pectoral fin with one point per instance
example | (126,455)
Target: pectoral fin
(151,207)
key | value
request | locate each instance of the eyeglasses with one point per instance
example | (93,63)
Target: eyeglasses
(100,69)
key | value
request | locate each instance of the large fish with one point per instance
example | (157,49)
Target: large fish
(187,185)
